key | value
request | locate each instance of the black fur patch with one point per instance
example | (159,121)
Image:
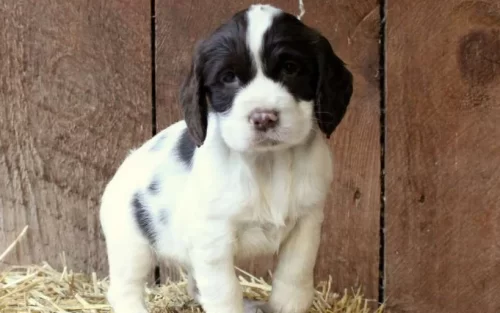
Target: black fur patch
(154,187)
(321,74)
(223,54)
(227,50)
(288,40)
(143,218)
(186,148)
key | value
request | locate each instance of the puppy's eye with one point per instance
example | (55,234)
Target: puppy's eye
(228,77)
(290,68)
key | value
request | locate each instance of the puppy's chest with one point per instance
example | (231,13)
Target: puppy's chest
(258,238)
(268,195)
(268,208)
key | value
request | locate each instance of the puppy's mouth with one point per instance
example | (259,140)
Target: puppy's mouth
(268,139)
(267,142)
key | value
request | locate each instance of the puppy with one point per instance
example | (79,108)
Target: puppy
(246,172)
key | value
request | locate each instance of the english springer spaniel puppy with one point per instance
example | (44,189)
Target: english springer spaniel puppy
(246,173)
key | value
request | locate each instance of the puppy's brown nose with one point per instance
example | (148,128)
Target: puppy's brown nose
(263,119)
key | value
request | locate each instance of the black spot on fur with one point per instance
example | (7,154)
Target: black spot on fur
(186,148)
(143,218)
(154,187)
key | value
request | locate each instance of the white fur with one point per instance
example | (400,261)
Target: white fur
(260,18)
(295,121)
(238,199)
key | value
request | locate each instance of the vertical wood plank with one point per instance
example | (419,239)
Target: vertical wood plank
(350,244)
(75,96)
(443,153)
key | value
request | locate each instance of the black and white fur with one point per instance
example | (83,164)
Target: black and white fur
(215,187)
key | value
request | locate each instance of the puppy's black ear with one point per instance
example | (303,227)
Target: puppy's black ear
(193,100)
(334,88)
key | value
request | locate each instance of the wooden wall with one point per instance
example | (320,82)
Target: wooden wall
(443,156)
(75,96)
(418,155)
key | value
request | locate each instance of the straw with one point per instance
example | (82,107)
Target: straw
(41,288)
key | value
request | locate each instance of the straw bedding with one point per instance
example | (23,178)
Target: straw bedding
(41,288)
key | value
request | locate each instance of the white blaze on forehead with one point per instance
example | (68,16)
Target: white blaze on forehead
(260,17)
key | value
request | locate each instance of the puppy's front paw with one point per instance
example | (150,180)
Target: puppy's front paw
(291,298)
(254,306)
(130,304)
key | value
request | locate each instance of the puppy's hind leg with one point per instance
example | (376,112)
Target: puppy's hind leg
(130,263)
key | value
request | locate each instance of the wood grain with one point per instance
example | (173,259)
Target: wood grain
(350,244)
(75,94)
(443,153)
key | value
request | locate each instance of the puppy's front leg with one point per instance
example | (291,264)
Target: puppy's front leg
(212,261)
(293,286)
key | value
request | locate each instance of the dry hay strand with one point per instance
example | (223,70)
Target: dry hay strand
(44,289)
(41,288)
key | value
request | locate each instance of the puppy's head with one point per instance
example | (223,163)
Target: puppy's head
(270,80)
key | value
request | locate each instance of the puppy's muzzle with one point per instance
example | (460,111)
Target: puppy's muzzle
(264,119)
